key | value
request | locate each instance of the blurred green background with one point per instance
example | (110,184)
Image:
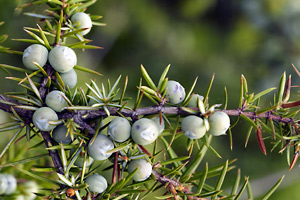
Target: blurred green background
(260,39)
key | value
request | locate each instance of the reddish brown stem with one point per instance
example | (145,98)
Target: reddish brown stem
(295,158)
(291,105)
(261,141)
(146,151)
(115,169)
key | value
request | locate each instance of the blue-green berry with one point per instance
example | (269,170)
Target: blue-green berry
(175,93)
(160,123)
(144,169)
(41,118)
(69,78)
(119,129)
(62,59)
(59,134)
(96,183)
(82,20)
(194,100)
(56,101)
(80,159)
(219,122)
(193,127)
(35,53)
(144,131)
(97,149)
(11,184)
(3,184)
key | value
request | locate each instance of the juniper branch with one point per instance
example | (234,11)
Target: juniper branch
(82,117)
(27,117)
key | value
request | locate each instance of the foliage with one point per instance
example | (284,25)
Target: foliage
(90,111)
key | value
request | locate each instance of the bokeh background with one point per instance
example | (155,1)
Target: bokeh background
(257,38)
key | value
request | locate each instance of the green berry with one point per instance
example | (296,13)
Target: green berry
(56,101)
(59,135)
(41,118)
(119,129)
(20,197)
(69,78)
(144,169)
(97,149)
(96,183)
(219,122)
(160,124)
(194,100)
(30,187)
(193,127)
(35,53)
(83,21)
(175,93)
(62,59)
(80,159)
(11,184)
(3,184)
(144,131)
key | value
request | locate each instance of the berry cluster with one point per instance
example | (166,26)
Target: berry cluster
(193,126)
(123,138)
(143,131)
(63,59)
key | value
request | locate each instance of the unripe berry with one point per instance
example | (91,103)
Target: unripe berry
(194,100)
(119,129)
(99,147)
(56,101)
(159,123)
(193,127)
(30,187)
(3,184)
(69,78)
(144,131)
(11,184)
(80,159)
(41,118)
(20,197)
(175,93)
(59,135)
(62,59)
(83,20)
(144,169)
(219,122)
(97,183)
(35,53)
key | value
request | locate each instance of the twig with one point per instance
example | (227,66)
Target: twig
(168,181)
(53,153)
(82,117)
